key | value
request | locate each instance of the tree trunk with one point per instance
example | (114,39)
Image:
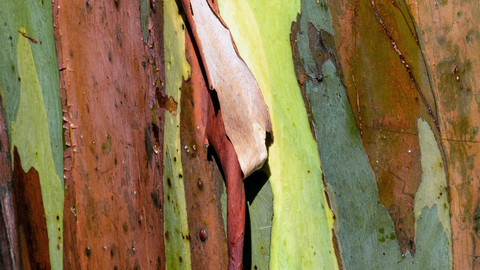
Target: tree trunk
(114,152)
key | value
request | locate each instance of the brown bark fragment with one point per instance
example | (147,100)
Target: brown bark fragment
(167,102)
(300,73)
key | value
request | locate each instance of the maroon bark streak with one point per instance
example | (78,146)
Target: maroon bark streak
(31,217)
(9,254)
(235,191)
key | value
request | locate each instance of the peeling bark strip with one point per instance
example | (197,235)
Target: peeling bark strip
(215,133)
(246,116)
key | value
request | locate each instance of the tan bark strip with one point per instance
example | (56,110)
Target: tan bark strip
(246,115)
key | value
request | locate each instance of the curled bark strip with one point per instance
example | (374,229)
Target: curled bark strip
(245,114)
(214,130)
(217,136)
(238,117)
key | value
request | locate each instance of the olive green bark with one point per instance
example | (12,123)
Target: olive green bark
(177,243)
(29,86)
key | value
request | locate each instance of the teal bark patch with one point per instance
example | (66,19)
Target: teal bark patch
(258,223)
(365,231)
(363,226)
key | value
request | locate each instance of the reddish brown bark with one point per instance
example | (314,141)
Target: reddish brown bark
(113,178)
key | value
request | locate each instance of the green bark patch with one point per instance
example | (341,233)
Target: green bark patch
(301,234)
(144,18)
(177,244)
(35,17)
(30,135)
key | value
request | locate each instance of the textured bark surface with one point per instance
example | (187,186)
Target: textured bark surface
(113,175)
